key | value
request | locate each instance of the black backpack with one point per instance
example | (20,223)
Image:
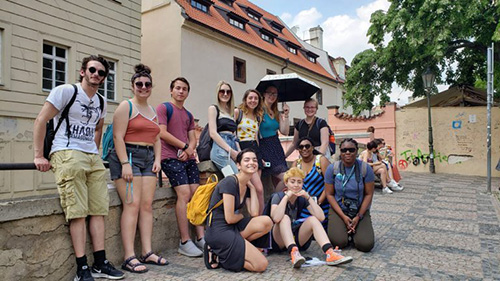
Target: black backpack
(205,142)
(50,131)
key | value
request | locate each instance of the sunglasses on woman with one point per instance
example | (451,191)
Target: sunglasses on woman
(100,72)
(350,149)
(139,84)
(227,92)
(304,146)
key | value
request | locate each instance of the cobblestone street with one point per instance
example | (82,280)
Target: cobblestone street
(441,227)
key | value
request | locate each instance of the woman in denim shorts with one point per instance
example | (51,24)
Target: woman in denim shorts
(222,128)
(133,164)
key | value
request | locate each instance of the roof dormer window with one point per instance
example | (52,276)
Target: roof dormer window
(236,23)
(201,5)
(267,35)
(292,48)
(236,20)
(253,14)
(311,57)
(276,26)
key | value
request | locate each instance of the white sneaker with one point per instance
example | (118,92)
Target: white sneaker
(386,190)
(392,184)
(397,188)
(200,243)
(189,249)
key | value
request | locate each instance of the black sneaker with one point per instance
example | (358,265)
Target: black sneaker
(83,274)
(107,270)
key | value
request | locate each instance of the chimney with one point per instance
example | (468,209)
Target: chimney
(339,64)
(295,29)
(316,37)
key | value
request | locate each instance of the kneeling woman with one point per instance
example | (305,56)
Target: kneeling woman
(229,234)
(285,210)
(349,190)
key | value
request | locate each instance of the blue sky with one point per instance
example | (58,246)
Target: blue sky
(344,22)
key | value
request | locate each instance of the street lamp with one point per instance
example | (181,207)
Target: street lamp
(428,77)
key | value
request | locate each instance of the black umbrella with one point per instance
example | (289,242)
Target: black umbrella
(291,87)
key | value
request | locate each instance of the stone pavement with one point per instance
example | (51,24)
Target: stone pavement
(441,227)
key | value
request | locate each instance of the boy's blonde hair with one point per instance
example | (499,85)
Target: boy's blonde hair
(293,172)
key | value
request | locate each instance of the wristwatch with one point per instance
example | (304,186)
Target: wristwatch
(360,216)
(185,146)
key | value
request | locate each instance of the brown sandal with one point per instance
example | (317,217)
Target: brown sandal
(144,258)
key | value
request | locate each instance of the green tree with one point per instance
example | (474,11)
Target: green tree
(448,36)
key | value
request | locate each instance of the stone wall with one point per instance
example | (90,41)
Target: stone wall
(35,245)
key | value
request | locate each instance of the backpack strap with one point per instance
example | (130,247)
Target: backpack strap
(130,109)
(170,111)
(65,113)
(317,163)
(240,117)
(336,167)
(101,102)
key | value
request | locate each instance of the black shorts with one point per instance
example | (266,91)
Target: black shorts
(181,172)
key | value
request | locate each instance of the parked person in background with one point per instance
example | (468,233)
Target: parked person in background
(383,155)
(178,139)
(222,128)
(78,169)
(349,186)
(270,145)
(134,163)
(229,233)
(371,130)
(314,166)
(313,127)
(293,234)
(248,116)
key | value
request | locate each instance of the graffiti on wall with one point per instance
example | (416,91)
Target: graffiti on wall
(417,158)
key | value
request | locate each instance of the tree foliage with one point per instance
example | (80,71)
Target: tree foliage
(448,36)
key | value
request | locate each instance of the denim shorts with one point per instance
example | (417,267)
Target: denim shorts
(143,158)
(219,156)
(181,172)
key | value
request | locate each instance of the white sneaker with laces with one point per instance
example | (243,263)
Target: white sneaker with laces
(392,184)
(189,249)
(386,190)
(397,188)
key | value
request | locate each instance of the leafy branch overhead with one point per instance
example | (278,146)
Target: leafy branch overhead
(448,36)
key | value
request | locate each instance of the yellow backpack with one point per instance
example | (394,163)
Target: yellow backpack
(197,208)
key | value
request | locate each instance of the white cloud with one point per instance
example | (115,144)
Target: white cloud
(286,17)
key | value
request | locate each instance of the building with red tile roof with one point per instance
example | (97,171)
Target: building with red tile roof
(232,40)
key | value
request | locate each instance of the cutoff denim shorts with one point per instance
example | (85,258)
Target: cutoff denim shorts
(220,157)
(143,158)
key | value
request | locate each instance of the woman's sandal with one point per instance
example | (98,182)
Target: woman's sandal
(210,258)
(144,258)
(129,266)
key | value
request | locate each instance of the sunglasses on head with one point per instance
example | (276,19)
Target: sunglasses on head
(350,149)
(228,92)
(100,72)
(302,146)
(139,84)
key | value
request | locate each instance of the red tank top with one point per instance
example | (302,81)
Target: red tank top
(142,129)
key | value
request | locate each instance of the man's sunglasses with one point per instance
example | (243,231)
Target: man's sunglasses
(350,149)
(139,84)
(302,146)
(100,72)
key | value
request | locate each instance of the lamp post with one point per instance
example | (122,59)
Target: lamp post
(428,77)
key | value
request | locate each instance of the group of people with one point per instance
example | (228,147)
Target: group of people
(245,141)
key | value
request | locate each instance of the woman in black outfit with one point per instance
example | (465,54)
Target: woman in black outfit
(229,234)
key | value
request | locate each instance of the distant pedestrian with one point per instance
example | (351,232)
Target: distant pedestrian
(293,233)
(349,186)
(177,133)
(371,130)
(134,163)
(78,169)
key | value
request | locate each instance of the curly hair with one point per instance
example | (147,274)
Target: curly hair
(293,172)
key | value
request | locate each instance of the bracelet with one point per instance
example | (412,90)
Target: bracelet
(125,162)
(185,147)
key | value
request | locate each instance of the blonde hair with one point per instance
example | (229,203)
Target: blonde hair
(258,111)
(231,100)
(293,172)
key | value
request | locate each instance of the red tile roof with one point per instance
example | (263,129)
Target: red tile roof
(216,18)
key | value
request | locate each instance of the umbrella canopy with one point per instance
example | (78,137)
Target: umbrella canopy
(291,87)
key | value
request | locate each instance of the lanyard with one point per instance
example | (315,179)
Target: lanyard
(345,181)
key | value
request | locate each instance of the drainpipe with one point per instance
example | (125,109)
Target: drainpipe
(286,66)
